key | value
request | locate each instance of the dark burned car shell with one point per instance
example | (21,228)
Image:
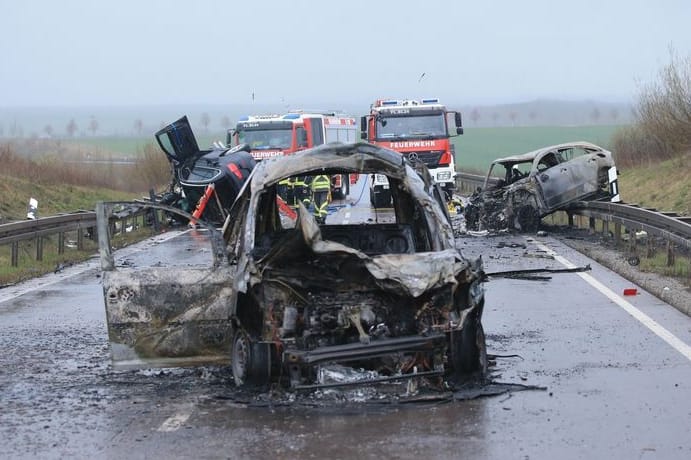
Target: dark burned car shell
(292,296)
(195,170)
(519,190)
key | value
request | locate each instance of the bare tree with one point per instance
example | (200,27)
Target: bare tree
(93,125)
(513,116)
(475,115)
(662,118)
(138,126)
(71,128)
(205,121)
(595,115)
(48,129)
(225,122)
(664,109)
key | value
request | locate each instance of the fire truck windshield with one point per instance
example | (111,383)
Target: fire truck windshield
(411,126)
(262,139)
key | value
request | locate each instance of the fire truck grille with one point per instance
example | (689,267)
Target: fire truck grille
(429,158)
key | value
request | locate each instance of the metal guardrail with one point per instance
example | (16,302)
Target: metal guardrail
(670,226)
(83,222)
(675,229)
(15,232)
(468,183)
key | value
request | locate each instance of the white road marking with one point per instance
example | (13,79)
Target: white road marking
(174,422)
(644,319)
(346,218)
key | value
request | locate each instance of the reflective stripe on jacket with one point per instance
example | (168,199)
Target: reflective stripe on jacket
(321,183)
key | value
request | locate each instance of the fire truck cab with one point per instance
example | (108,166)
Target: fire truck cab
(419,129)
(278,135)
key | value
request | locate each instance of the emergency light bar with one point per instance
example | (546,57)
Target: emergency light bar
(392,102)
(291,116)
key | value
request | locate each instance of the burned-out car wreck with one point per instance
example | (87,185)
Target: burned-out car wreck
(208,180)
(288,296)
(519,190)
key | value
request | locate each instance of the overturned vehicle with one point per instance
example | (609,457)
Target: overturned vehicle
(205,181)
(287,296)
(520,190)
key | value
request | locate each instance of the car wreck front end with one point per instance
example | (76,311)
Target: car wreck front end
(389,294)
(394,297)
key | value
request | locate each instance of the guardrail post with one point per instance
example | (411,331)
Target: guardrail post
(650,252)
(61,242)
(591,225)
(605,228)
(617,233)
(15,253)
(632,241)
(39,248)
(670,254)
(80,238)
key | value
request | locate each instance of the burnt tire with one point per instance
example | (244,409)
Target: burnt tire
(527,219)
(250,360)
(467,351)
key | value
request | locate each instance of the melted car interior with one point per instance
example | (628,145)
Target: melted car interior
(401,230)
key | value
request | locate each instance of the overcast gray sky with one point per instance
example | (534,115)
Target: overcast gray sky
(134,52)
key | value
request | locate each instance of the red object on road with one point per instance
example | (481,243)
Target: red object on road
(630,291)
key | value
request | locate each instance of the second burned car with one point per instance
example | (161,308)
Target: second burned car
(519,190)
(289,296)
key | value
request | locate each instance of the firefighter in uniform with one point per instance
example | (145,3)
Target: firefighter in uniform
(301,191)
(321,188)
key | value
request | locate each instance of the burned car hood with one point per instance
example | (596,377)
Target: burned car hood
(402,274)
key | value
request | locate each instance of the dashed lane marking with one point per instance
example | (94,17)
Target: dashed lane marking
(641,317)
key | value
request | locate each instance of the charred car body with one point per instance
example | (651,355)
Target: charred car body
(291,295)
(208,179)
(519,190)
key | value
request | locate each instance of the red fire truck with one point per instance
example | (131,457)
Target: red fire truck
(419,129)
(277,135)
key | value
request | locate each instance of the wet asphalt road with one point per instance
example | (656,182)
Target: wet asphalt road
(613,388)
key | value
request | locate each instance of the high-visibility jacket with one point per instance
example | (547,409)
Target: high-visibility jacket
(321,183)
